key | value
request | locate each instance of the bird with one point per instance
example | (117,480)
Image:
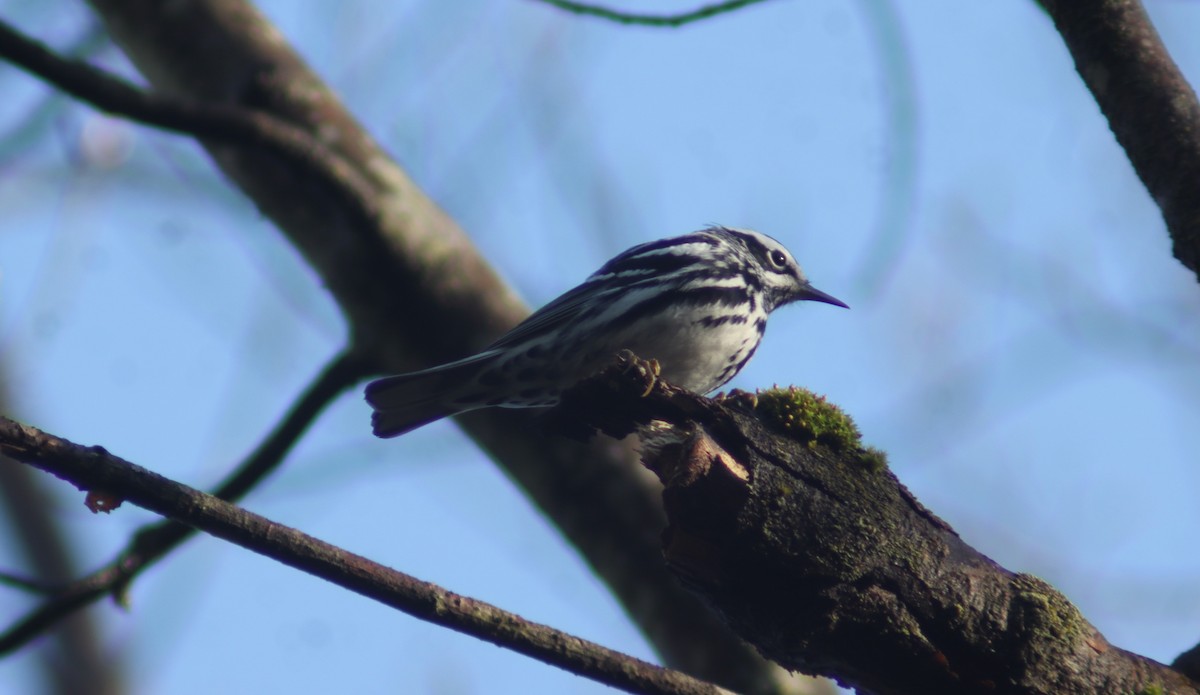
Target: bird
(697,304)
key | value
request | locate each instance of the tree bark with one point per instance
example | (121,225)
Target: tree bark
(1152,110)
(815,553)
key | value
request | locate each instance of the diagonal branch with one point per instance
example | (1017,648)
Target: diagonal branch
(209,120)
(152,542)
(32,586)
(817,554)
(1150,107)
(93,468)
(35,527)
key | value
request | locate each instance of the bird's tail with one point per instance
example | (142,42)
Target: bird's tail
(405,402)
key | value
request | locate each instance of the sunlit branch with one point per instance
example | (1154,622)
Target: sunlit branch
(32,586)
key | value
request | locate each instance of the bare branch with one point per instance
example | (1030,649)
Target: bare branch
(94,469)
(208,120)
(1151,109)
(34,522)
(33,586)
(50,558)
(37,124)
(651,20)
(154,541)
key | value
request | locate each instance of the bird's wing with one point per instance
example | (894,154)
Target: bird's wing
(641,265)
(550,317)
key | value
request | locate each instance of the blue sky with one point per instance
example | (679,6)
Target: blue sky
(1021,342)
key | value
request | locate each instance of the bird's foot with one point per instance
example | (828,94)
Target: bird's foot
(647,370)
(739,397)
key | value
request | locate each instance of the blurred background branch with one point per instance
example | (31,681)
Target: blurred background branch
(74,660)
(150,543)
(651,20)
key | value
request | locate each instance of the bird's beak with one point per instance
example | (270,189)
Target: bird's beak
(812,294)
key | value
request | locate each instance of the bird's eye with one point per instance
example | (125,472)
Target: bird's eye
(778,259)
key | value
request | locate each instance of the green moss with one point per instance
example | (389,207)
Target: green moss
(874,459)
(1050,616)
(807,418)
(811,420)
(1153,689)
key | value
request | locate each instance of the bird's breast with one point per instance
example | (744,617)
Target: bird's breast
(699,353)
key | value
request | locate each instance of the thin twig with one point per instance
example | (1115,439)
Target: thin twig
(93,468)
(40,117)
(156,540)
(651,20)
(207,120)
(33,586)
(372,243)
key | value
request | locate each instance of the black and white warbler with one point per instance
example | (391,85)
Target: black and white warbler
(697,304)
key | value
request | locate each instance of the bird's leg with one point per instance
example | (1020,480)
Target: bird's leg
(739,396)
(648,370)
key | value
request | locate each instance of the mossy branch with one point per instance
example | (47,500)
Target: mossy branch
(814,552)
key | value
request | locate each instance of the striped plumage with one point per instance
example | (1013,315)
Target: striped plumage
(697,303)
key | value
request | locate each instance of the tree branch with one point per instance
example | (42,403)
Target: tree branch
(1151,109)
(94,469)
(415,291)
(152,542)
(38,533)
(816,554)
(32,586)
(208,120)
(651,20)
